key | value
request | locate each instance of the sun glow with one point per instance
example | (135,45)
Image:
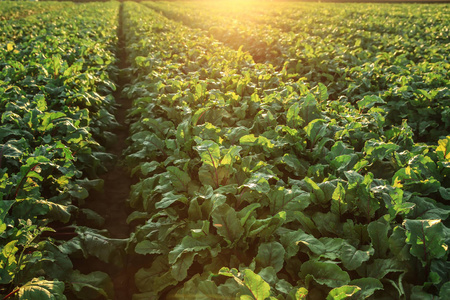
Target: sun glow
(237,8)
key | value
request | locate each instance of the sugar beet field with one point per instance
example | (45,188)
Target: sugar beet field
(224,150)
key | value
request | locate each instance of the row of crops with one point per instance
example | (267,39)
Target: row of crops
(400,54)
(56,71)
(15,10)
(296,152)
(291,173)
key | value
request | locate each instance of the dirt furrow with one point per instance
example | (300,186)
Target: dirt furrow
(111,203)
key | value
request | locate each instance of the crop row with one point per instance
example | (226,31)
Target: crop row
(253,184)
(16,9)
(56,71)
(404,62)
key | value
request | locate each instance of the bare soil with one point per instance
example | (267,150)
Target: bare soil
(111,203)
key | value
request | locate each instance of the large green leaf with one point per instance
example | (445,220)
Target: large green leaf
(322,91)
(353,258)
(230,155)
(368,286)
(338,149)
(381,267)
(289,200)
(325,273)
(200,288)
(378,232)
(398,245)
(317,195)
(91,286)
(180,179)
(291,241)
(188,244)
(369,101)
(182,264)
(377,150)
(150,247)
(251,140)
(209,153)
(227,223)
(443,150)
(8,261)
(39,288)
(259,289)
(343,292)
(58,212)
(271,255)
(444,292)
(156,278)
(245,213)
(265,228)
(92,243)
(5,206)
(295,165)
(170,198)
(338,204)
(148,167)
(306,222)
(309,108)
(427,239)
(332,247)
(316,130)
(259,182)
(150,140)
(417,293)
(293,118)
(427,209)
(49,260)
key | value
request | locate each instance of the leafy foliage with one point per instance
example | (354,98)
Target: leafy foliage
(56,108)
(255,182)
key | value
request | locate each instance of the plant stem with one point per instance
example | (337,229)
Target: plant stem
(23,178)
(215,169)
(11,294)
(1,154)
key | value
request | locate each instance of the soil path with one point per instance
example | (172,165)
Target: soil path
(111,202)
